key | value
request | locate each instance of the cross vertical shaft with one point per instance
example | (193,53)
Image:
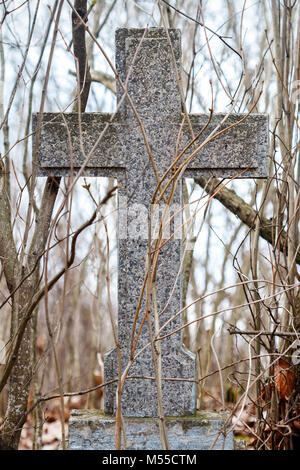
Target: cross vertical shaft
(145,63)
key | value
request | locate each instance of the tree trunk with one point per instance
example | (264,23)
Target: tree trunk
(21,374)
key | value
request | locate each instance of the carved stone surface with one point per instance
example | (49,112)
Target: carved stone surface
(114,145)
(90,430)
(122,145)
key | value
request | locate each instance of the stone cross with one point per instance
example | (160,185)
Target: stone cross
(121,153)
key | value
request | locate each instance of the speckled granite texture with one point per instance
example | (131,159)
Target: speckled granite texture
(121,153)
(91,430)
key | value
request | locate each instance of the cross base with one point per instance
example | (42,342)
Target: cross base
(139,395)
(94,430)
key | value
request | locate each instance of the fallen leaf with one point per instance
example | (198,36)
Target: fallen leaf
(284,379)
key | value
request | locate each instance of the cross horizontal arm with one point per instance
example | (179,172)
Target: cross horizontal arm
(102,156)
(244,145)
(106,153)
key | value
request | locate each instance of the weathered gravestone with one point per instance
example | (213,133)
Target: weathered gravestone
(121,153)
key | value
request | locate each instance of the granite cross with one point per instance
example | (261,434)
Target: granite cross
(121,153)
